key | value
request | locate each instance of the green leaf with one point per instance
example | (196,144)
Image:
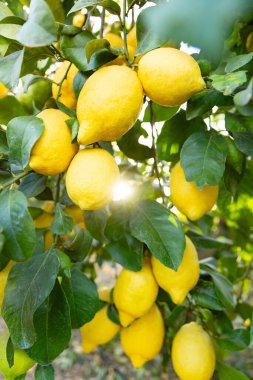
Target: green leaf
(79,246)
(228,83)
(3,143)
(95,222)
(126,251)
(62,223)
(238,61)
(4,45)
(116,224)
(56,7)
(203,157)
(223,286)
(40,29)
(29,284)
(204,101)
(22,134)
(244,142)
(10,108)
(229,373)
(243,97)
(10,68)
(44,372)
(202,241)
(74,127)
(160,113)
(110,5)
(174,133)
(33,184)
(154,225)
(17,224)
(10,352)
(112,314)
(4,11)
(251,331)
(235,158)
(53,327)
(79,81)
(94,46)
(16,7)
(235,340)
(9,29)
(205,296)
(73,48)
(130,146)
(82,297)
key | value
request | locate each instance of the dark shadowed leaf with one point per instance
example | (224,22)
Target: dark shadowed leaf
(160,113)
(79,246)
(205,296)
(44,372)
(10,108)
(96,222)
(229,373)
(33,184)
(235,340)
(62,223)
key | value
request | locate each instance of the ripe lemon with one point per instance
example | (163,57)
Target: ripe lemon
(22,362)
(169,76)
(178,283)
(193,354)
(188,198)
(44,221)
(76,214)
(131,38)
(101,329)
(3,281)
(134,293)
(78,19)
(67,95)
(3,91)
(53,151)
(143,340)
(91,178)
(109,104)
(114,39)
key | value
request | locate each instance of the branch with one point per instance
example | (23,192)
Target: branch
(102,23)
(13,180)
(89,14)
(123,23)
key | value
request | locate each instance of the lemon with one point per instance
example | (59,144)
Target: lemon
(249,42)
(48,206)
(188,198)
(131,38)
(44,221)
(53,151)
(193,354)
(114,39)
(101,329)
(76,214)
(109,104)
(178,283)
(135,293)
(91,178)
(78,19)
(143,340)
(22,362)
(169,76)
(247,322)
(3,91)
(3,281)
(67,95)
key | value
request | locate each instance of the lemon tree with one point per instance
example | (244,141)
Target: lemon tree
(126,140)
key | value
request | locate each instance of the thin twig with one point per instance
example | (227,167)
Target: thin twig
(89,14)
(102,23)
(13,180)
(58,188)
(62,80)
(123,22)
(57,53)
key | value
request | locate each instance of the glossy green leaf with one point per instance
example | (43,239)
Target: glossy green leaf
(3,143)
(203,157)
(94,46)
(82,297)
(10,68)
(53,327)
(228,83)
(244,142)
(95,222)
(110,5)
(154,225)
(205,296)
(10,108)
(238,123)
(74,127)
(238,61)
(235,340)
(62,223)
(243,97)
(17,224)
(4,11)
(22,134)
(44,372)
(40,29)
(159,113)
(22,297)
(33,184)
(79,246)
(73,47)
(229,373)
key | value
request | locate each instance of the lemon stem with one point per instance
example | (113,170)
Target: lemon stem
(62,80)
(125,32)
(13,180)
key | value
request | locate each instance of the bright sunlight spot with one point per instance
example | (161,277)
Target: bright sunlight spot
(122,190)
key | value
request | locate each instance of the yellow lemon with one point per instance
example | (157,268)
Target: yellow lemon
(76,214)
(44,221)
(178,283)
(134,293)
(131,38)
(114,39)
(3,91)
(249,42)
(143,340)
(91,178)
(193,354)
(22,362)
(247,323)
(188,198)
(78,19)
(3,281)
(101,329)
(109,104)
(67,95)
(48,206)
(169,76)
(53,151)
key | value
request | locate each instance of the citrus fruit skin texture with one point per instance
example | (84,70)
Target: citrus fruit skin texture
(178,283)
(78,19)
(22,362)
(91,178)
(109,104)
(53,151)
(193,354)
(3,91)
(114,39)
(101,329)
(135,293)
(131,38)
(44,221)
(3,281)
(143,340)
(67,95)
(188,198)
(169,76)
